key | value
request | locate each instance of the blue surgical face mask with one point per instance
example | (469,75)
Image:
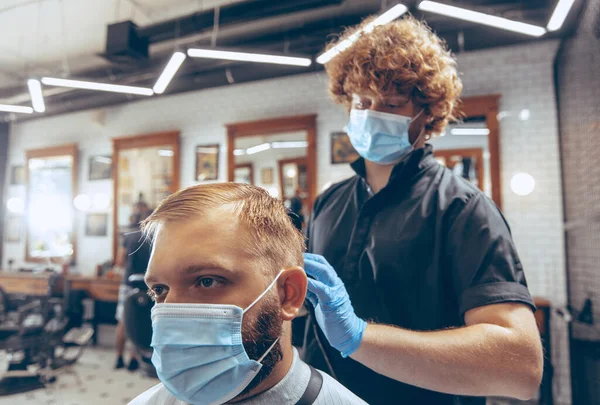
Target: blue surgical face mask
(380,137)
(198,351)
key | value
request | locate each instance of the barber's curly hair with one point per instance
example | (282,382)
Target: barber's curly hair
(403,56)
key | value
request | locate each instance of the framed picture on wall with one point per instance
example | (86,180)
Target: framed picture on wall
(100,168)
(266,176)
(13,230)
(342,150)
(96,224)
(17,175)
(207,162)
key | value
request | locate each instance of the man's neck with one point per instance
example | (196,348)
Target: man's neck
(377,175)
(279,372)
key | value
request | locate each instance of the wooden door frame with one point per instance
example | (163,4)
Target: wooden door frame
(273,126)
(63,150)
(487,106)
(167,138)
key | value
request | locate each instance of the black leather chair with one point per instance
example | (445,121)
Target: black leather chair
(138,323)
(35,339)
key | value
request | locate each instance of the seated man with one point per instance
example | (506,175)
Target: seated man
(226,275)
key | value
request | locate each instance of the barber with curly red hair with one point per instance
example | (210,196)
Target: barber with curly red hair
(416,279)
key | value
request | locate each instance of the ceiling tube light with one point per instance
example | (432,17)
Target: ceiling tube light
(470,131)
(114,88)
(390,15)
(481,18)
(37,98)
(289,144)
(239,152)
(169,72)
(560,14)
(258,148)
(16,109)
(248,57)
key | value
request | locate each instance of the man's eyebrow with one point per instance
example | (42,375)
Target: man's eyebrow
(195,268)
(199,267)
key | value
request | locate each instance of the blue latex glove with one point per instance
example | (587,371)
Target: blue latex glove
(333,309)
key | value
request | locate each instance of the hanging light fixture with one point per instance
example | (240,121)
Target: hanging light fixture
(248,57)
(80,84)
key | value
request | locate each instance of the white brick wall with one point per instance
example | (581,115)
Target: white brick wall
(522,75)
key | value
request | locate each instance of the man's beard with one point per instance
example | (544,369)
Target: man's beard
(258,336)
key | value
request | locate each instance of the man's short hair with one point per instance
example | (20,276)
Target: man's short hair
(269,234)
(405,57)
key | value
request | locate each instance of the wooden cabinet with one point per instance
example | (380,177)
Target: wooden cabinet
(99,289)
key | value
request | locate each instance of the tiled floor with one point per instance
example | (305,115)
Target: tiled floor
(99,384)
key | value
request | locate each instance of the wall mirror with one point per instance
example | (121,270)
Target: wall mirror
(471,147)
(278,155)
(146,170)
(51,175)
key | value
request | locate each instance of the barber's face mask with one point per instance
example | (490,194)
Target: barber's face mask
(380,137)
(198,351)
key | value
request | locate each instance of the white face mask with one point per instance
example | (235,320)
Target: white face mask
(198,351)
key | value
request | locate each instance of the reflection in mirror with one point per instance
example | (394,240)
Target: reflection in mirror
(277,163)
(464,149)
(146,172)
(244,173)
(145,177)
(50,210)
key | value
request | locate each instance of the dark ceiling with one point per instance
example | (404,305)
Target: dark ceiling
(295,27)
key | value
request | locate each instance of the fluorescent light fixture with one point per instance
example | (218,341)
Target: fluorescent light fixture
(388,16)
(16,205)
(165,153)
(522,184)
(560,14)
(291,173)
(37,98)
(470,131)
(481,18)
(78,84)
(289,144)
(258,148)
(169,72)
(384,18)
(82,202)
(239,152)
(248,57)
(16,109)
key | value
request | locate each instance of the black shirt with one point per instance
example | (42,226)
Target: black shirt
(419,254)
(137,250)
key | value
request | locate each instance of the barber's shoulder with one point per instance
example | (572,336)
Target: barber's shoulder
(334,393)
(157,395)
(333,192)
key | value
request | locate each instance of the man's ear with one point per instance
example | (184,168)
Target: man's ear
(292,291)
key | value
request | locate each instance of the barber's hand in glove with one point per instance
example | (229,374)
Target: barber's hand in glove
(333,309)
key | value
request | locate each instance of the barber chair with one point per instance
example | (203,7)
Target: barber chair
(138,323)
(35,339)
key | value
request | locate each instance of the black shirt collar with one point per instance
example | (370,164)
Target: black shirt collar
(410,164)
